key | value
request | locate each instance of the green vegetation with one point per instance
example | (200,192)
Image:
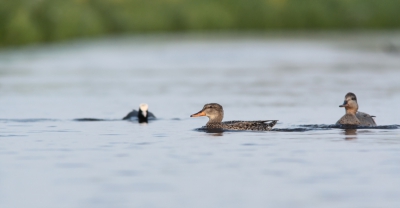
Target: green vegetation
(30,21)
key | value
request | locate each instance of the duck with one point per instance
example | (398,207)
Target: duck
(215,114)
(142,115)
(353,116)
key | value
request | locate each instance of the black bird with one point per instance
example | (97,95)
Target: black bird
(142,115)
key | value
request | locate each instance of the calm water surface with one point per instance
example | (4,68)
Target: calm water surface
(49,160)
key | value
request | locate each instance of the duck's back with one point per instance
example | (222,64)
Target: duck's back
(365,119)
(264,125)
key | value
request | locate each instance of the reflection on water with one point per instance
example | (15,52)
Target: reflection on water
(52,159)
(340,126)
(216,134)
(350,134)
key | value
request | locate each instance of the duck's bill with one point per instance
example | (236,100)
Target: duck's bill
(201,113)
(344,104)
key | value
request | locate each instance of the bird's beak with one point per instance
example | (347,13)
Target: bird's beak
(200,113)
(344,104)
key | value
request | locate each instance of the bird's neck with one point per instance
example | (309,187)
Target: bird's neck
(215,119)
(351,111)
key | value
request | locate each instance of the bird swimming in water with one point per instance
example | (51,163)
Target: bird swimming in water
(142,115)
(353,116)
(215,113)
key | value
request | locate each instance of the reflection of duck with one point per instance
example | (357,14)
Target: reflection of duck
(215,113)
(350,134)
(353,116)
(142,115)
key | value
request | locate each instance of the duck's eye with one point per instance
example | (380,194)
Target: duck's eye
(353,98)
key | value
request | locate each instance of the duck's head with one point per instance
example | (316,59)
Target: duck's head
(143,107)
(213,111)
(350,103)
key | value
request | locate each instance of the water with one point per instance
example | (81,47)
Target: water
(47,159)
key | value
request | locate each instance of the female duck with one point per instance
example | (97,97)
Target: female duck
(353,116)
(142,115)
(215,113)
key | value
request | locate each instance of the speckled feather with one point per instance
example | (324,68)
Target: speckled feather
(264,125)
(349,119)
(360,118)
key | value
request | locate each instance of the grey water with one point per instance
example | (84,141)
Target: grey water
(48,159)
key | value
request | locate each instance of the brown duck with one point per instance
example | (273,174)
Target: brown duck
(215,113)
(353,116)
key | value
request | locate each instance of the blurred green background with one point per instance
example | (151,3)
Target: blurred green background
(32,21)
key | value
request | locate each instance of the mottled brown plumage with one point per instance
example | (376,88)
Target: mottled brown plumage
(215,113)
(353,116)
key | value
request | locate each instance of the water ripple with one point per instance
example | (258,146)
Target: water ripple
(27,120)
(339,126)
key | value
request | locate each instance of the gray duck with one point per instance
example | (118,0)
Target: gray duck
(353,116)
(215,113)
